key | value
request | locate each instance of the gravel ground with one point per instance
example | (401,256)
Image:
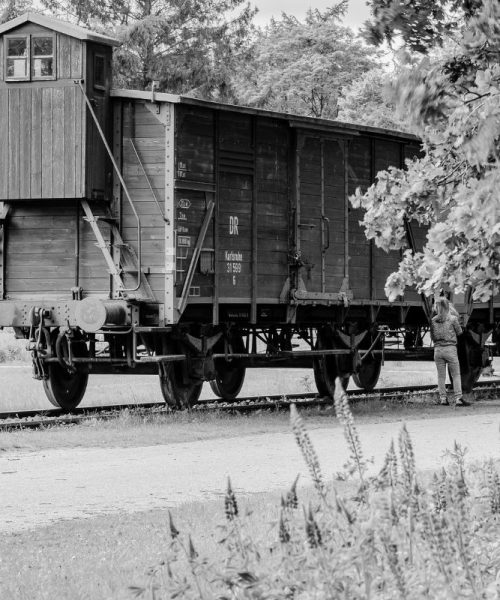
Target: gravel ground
(39,488)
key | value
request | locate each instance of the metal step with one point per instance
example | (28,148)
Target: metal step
(127,262)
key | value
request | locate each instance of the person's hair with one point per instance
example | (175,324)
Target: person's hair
(442,308)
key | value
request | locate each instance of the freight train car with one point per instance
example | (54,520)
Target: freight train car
(146,232)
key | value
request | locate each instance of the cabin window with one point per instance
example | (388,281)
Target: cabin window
(29,57)
(42,57)
(17,57)
(99,72)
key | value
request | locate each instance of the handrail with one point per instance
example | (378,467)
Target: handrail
(147,178)
(196,254)
(120,177)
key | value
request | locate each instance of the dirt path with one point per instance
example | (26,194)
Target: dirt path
(39,488)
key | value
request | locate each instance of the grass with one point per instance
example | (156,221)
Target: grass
(395,535)
(134,429)
(99,558)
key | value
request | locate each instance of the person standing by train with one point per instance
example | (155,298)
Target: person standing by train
(444,331)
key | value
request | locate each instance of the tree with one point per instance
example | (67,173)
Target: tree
(188,46)
(302,67)
(10,9)
(453,189)
(369,100)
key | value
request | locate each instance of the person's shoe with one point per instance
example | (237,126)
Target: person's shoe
(444,402)
(462,402)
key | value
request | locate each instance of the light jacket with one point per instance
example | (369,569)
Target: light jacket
(444,333)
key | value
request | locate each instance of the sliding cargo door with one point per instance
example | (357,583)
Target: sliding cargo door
(321,213)
(235,160)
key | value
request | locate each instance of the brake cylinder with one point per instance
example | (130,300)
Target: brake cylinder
(92,314)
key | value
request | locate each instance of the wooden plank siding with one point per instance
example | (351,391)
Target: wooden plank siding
(359,175)
(41,252)
(4,144)
(249,164)
(42,126)
(194,168)
(142,130)
(322,212)
(273,206)
(42,156)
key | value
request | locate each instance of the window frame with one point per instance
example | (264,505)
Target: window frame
(33,36)
(29,37)
(99,86)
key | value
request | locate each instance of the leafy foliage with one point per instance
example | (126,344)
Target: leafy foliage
(395,539)
(302,67)
(10,9)
(369,100)
(187,46)
(453,99)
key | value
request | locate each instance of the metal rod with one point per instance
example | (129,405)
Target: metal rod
(161,358)
(122,181)
(90,360)
(194,259)
(147,178)
(284,354)
(77,247)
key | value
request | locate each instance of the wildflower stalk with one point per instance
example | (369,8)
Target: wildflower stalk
(465,559)
(291,501)
(391,552)
(191,555)
(388,475)
(231,511)
(435,533)
(493,487)
(230,504)
(407,457)
(344,415)
(308,451)
(284,528)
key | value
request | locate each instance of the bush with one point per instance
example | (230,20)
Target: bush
(12,349)
(395,537)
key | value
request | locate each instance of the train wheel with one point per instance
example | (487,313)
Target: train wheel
(319,378)
(470,356)
(368,373)
(368,370)
(229,374)
(328,368)
(176,393)
(228,383)
(63,388)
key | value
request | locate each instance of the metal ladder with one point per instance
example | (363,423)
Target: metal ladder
(127,261)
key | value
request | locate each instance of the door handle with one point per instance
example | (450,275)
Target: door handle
(326,221)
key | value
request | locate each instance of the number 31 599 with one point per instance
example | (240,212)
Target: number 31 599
(233,267)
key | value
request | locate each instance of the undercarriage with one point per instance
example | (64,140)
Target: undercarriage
(102,338)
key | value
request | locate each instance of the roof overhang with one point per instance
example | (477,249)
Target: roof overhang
(60,26)
(295,121)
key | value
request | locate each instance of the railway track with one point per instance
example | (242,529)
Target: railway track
(48,418)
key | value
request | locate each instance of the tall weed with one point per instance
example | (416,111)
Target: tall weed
(398,537)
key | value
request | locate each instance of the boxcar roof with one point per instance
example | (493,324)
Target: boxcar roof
(60,26)
(294,120)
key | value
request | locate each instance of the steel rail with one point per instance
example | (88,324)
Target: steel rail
(47,418)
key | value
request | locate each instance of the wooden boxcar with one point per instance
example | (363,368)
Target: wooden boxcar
(145,232)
